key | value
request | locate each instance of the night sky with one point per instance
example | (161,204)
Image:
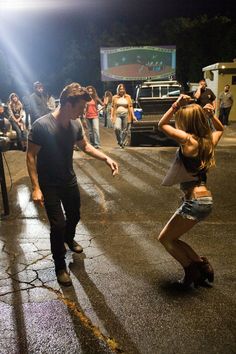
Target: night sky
(37,36)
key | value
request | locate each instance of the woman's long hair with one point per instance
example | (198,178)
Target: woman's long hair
(118,88)
(193,120)
(15,105)
(94,95)
(108,94)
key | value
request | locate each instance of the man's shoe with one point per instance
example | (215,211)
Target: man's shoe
(63,277)
(75,247)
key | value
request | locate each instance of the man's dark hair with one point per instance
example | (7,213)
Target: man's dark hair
(73,93)
(37,84)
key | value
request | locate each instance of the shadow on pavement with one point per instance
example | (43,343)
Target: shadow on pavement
(111,323)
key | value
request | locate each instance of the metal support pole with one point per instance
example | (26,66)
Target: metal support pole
(4,187)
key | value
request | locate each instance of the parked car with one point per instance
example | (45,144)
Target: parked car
(154,98)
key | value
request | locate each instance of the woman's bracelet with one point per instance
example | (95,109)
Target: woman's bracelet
(175,106)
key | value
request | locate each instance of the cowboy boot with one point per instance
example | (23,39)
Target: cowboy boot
(192,276)
(206,269)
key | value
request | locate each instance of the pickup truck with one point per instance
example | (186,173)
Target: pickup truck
(154,98)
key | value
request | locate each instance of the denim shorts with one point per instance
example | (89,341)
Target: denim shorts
(195,209)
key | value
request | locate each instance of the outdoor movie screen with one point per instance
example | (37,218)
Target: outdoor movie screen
(138,63)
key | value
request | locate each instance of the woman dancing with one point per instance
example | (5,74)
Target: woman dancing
(193,159)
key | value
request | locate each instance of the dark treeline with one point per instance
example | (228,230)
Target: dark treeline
(200,42)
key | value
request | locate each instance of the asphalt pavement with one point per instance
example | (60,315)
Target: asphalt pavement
(123,297)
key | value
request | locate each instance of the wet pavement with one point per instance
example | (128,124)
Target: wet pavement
(123,297)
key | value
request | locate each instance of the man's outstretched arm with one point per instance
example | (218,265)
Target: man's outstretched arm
(97,154)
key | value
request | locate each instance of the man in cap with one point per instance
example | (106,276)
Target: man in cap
(38,102)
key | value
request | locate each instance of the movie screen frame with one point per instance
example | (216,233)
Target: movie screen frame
(138,63)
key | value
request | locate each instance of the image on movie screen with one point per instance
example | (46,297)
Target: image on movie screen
(138,63)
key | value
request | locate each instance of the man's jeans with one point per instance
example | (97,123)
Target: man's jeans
(62,223)
(224,115)
(93,127)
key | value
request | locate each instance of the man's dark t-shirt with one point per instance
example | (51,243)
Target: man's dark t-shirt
(55,158)
(207,96)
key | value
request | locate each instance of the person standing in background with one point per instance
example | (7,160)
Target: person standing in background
(122,114)
(38,103)
(204,95)
(107,101)
(225,102)
(92,117)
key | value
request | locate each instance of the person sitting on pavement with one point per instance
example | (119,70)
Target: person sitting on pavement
(50,166)
(193,160)
(16,115)
(5,125)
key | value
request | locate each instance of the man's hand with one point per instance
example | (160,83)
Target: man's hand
(86,147)
(113,165)
(37,197)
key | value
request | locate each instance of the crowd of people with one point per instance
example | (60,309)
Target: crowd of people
(18,116)
(116,110)
(204,95)
(56,130)
(118,113)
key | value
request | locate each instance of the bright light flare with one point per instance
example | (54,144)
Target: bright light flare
(25,5)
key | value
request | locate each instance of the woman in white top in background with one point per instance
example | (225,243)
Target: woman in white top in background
(122,113)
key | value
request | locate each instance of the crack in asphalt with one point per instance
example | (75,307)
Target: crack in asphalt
(73,307)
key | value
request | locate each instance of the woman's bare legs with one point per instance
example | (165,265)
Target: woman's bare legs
(181,251)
